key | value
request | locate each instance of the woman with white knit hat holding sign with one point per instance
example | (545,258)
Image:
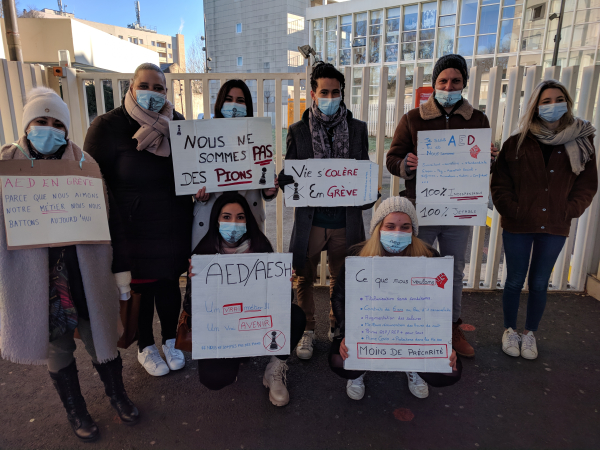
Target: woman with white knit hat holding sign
(45,293)
(394,230)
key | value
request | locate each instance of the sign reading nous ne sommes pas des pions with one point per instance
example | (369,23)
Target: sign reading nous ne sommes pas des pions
(53,203)
(241,305)
(331,182)
(399,313)
(453,176)
(222,154)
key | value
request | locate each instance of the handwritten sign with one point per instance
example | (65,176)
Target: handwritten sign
(241,305)
(399,313)
(222,154)
(331,182)
(453,173)
(44,209)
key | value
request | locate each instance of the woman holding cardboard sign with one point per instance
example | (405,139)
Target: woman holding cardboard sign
(131,144)
(546,176)
(394,230)
(45,293)
(233,100)
(233,229)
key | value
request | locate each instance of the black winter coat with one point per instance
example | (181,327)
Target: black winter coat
(158,224)
(338,298)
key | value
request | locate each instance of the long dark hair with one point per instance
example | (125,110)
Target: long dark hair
(212,242)
(228,86)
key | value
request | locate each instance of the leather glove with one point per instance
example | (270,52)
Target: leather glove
(123,280)
(284,179)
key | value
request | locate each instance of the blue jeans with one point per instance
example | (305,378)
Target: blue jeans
(517,248)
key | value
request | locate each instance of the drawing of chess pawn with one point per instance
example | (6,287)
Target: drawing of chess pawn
(296,194)
(274,345)
(178,130)
(263,179)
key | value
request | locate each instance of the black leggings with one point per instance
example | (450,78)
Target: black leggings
(215,374)
(167,297)
(336,363)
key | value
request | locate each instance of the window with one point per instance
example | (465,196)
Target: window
(392,32)
(585,33)
(445,39)
(510,26)
(488,29)
(169,45)
(135,40)
(141,42)
(356,85)
(331,36)
(375,36)
(533,29)
(120,37)
(170,55)
(427,32)
(345,39)
(240,61)
(466,30)
(267,66)
(153,43)
(359,44)
(375,74)
(318,38)
(537,12)
(238,28)
(409,35)
(130,39)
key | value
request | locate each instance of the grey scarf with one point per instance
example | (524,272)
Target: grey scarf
(575,138)
(320,124)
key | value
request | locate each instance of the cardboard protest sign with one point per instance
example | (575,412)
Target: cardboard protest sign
(222,154)
(453,176)
(53,203)
(331,182)
(399,313)
(241,305)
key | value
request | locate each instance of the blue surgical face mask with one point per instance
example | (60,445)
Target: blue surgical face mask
(446,98)
(46,140)
(150,100)
(553,111)
(231,109)
(329,106)
(395,241)
(232,231)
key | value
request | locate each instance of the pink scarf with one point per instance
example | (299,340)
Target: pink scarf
(154,126)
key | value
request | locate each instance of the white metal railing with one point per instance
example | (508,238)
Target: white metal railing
(503,111)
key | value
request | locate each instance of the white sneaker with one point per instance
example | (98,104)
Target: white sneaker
(150,360)
(510,343)
(417,385)
(275,380)
(174,357)
(305,346)
(528,346)
(356,388)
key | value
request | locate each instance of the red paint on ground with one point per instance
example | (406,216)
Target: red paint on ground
(467,327)
(404,414)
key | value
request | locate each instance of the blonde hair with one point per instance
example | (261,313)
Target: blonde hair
(531,120)
(373,247)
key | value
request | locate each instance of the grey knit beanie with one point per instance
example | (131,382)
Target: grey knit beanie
(395,204)
(450,62)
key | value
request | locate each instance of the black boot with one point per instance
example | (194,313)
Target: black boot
(111,374)
(66,383)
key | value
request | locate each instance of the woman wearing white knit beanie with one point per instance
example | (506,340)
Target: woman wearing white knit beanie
(394,230)
(45,293)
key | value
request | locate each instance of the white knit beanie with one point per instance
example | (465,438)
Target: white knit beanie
(395,204)
(44,102)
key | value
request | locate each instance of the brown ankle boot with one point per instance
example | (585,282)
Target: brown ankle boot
(459,343)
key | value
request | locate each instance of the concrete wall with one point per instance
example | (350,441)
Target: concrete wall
(43,38)
(264,37)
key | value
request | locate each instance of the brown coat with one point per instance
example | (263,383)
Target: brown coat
(533,198)
(424,118)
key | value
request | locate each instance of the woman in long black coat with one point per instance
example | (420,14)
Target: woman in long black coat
(131,144)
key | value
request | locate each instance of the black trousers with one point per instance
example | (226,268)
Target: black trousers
(215,374)
(336,363)
(166,295)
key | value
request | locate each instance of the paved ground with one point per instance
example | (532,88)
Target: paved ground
(501,402)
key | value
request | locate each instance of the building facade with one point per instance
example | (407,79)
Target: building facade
(487,33)
(170,49)
(245,36)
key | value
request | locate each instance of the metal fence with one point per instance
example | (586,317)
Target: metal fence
(502,109)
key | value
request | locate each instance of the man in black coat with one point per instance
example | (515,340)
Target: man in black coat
(327,130)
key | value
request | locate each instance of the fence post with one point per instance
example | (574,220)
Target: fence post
(7,103)
(381,123)
(417,83)
(398,113)
(532,79)
(552,73)
(71,97)
(279,162)
(364,107)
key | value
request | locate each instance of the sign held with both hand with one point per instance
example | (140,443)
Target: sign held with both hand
(453,176)
(222,154)
(331,182)
(399,313)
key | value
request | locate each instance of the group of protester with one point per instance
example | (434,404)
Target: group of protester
(544,176)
